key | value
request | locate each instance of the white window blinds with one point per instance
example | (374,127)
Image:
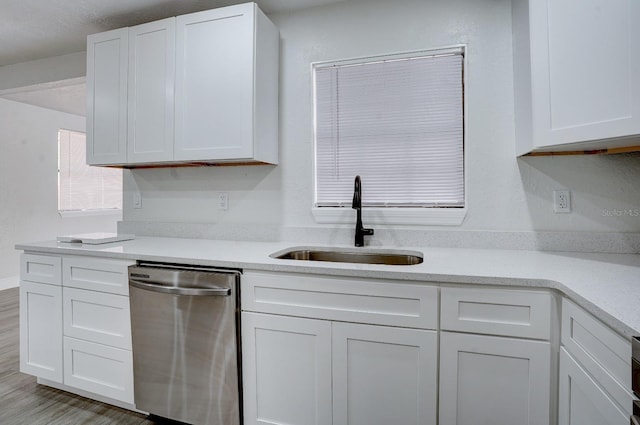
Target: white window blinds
(81,187)
(396,122)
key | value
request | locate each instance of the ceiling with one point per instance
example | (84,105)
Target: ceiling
(38,29)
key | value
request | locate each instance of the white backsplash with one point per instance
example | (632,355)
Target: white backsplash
(605,242)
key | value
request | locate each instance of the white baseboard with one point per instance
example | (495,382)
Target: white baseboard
(9,282)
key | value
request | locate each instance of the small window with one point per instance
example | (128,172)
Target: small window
(398,122)
(81,187)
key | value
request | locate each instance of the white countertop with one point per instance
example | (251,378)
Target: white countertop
(607,285)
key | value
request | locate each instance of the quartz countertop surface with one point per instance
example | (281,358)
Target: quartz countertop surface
(607,285)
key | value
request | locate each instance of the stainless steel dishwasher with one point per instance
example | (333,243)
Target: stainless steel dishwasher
(184,324)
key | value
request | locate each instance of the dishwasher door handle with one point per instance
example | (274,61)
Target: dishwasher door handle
(219,292)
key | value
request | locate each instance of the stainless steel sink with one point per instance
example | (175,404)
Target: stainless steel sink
(342,255)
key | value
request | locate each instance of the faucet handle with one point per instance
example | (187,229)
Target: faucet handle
(367,232)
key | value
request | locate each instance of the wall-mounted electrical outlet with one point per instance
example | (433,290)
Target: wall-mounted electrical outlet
(562,201)
(137,200)
(223,201)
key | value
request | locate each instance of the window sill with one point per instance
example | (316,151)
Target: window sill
(90,213)
(390,216)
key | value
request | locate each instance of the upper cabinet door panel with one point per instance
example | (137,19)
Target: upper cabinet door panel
(151,84)
(107,97)
(585,71)
(576,74)
(602,92)
(214,84)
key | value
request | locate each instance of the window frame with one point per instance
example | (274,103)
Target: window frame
(85,212)
(439,216)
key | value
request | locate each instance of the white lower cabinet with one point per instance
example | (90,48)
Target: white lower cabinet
(322,350)
(487,380)
(383,375)
(75,328)
(595,371)
(582,401)
(375,375)
(41,330)
(286,370)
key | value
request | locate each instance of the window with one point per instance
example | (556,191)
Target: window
(81,187)
(398,122)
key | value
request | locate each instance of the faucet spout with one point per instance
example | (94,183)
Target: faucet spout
(356,204)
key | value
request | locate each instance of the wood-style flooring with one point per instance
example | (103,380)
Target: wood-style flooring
(24,402)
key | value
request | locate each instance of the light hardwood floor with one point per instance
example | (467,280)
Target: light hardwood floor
(24,402)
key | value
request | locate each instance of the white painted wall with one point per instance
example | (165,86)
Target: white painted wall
(504,194)
(29,182)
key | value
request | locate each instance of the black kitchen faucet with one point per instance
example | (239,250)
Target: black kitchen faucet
(357,205)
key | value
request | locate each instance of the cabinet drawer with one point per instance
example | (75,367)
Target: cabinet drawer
(41,268)
(381,302)
(601,351)
(97,317)
(97,274)
(98,368)
(520,313)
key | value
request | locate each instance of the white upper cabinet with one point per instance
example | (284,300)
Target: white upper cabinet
(107,97)
(151,76)
(576,74)
(199,88)
(226,85)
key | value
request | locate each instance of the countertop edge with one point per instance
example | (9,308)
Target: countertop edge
(382,272)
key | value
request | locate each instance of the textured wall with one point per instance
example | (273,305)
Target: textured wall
(29,181)
(504,193)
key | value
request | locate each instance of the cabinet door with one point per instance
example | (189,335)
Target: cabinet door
(582,401)
(384,375)
(214,84)
(286,370)
(151,81)
(603,353)
(41,330)
(489,380)
(107,97)
(585,70)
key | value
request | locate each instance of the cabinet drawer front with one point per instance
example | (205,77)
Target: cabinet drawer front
(602,352)
(525,314)
(97,274)
(381,302)
(97,317)
(98,368)
(41,268)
